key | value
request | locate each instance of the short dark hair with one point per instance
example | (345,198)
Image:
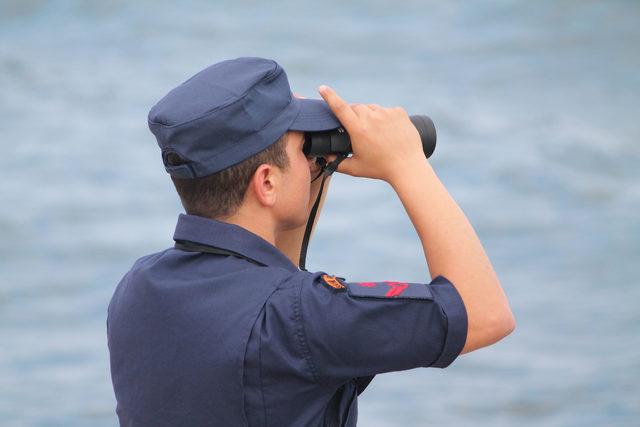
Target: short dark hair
(220,194)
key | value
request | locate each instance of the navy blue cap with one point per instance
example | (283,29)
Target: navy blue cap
(229,112)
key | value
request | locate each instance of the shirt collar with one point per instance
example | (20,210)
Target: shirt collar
(211,232)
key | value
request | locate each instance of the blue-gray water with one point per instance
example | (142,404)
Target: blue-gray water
(536,105)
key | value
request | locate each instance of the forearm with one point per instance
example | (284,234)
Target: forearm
(453,250)
(290,241)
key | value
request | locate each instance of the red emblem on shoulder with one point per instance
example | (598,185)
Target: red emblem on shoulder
(367,284)
(390,290)
(397,288)
(332,281)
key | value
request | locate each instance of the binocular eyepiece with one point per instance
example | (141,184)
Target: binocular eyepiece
(337,141)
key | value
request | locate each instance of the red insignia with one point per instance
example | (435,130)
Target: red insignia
(397,288)
(332,281)
(367,284)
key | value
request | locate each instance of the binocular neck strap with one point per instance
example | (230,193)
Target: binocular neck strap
(327,170)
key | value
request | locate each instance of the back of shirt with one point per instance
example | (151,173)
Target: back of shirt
(177,337)
(246,338)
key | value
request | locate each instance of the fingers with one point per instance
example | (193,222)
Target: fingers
(340,108)
(297,95)
(360,108)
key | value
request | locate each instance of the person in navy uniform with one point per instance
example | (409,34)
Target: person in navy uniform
(224,328)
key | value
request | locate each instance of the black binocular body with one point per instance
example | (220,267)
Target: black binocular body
(337,141)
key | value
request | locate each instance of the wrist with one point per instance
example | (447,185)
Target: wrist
(411,172)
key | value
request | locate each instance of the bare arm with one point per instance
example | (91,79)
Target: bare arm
(387,146)
(452,249)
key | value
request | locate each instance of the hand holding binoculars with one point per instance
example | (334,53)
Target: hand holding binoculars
(337,141)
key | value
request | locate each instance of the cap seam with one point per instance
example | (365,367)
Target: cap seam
(268,76)
(313,115)
(235,145)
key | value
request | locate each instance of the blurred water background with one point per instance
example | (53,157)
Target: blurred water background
(536,105)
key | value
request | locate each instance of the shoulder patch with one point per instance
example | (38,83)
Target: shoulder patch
(389,289)
(332,281)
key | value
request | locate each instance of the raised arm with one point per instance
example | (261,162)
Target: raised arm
(387,146)
(453,250)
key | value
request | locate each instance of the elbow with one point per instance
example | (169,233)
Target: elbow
(509,323)
(497,326)
(489,330)
(502,324)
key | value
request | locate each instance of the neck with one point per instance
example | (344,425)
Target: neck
(257,224)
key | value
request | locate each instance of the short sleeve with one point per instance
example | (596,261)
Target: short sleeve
(358,329)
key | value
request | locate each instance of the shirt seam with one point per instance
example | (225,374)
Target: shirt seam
(264,401)
(301,333)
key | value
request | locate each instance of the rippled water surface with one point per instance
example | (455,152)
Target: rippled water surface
(536,105)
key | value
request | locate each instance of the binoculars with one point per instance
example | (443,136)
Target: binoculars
(336,141)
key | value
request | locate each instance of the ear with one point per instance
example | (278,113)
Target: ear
(264,183)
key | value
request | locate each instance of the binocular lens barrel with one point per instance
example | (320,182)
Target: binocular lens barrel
(337,141)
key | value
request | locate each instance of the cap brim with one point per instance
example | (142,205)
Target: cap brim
(315,115)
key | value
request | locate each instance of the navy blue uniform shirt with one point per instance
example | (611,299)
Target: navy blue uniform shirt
(201,339)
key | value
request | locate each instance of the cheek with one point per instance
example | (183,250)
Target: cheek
(303,169)
(305,183)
